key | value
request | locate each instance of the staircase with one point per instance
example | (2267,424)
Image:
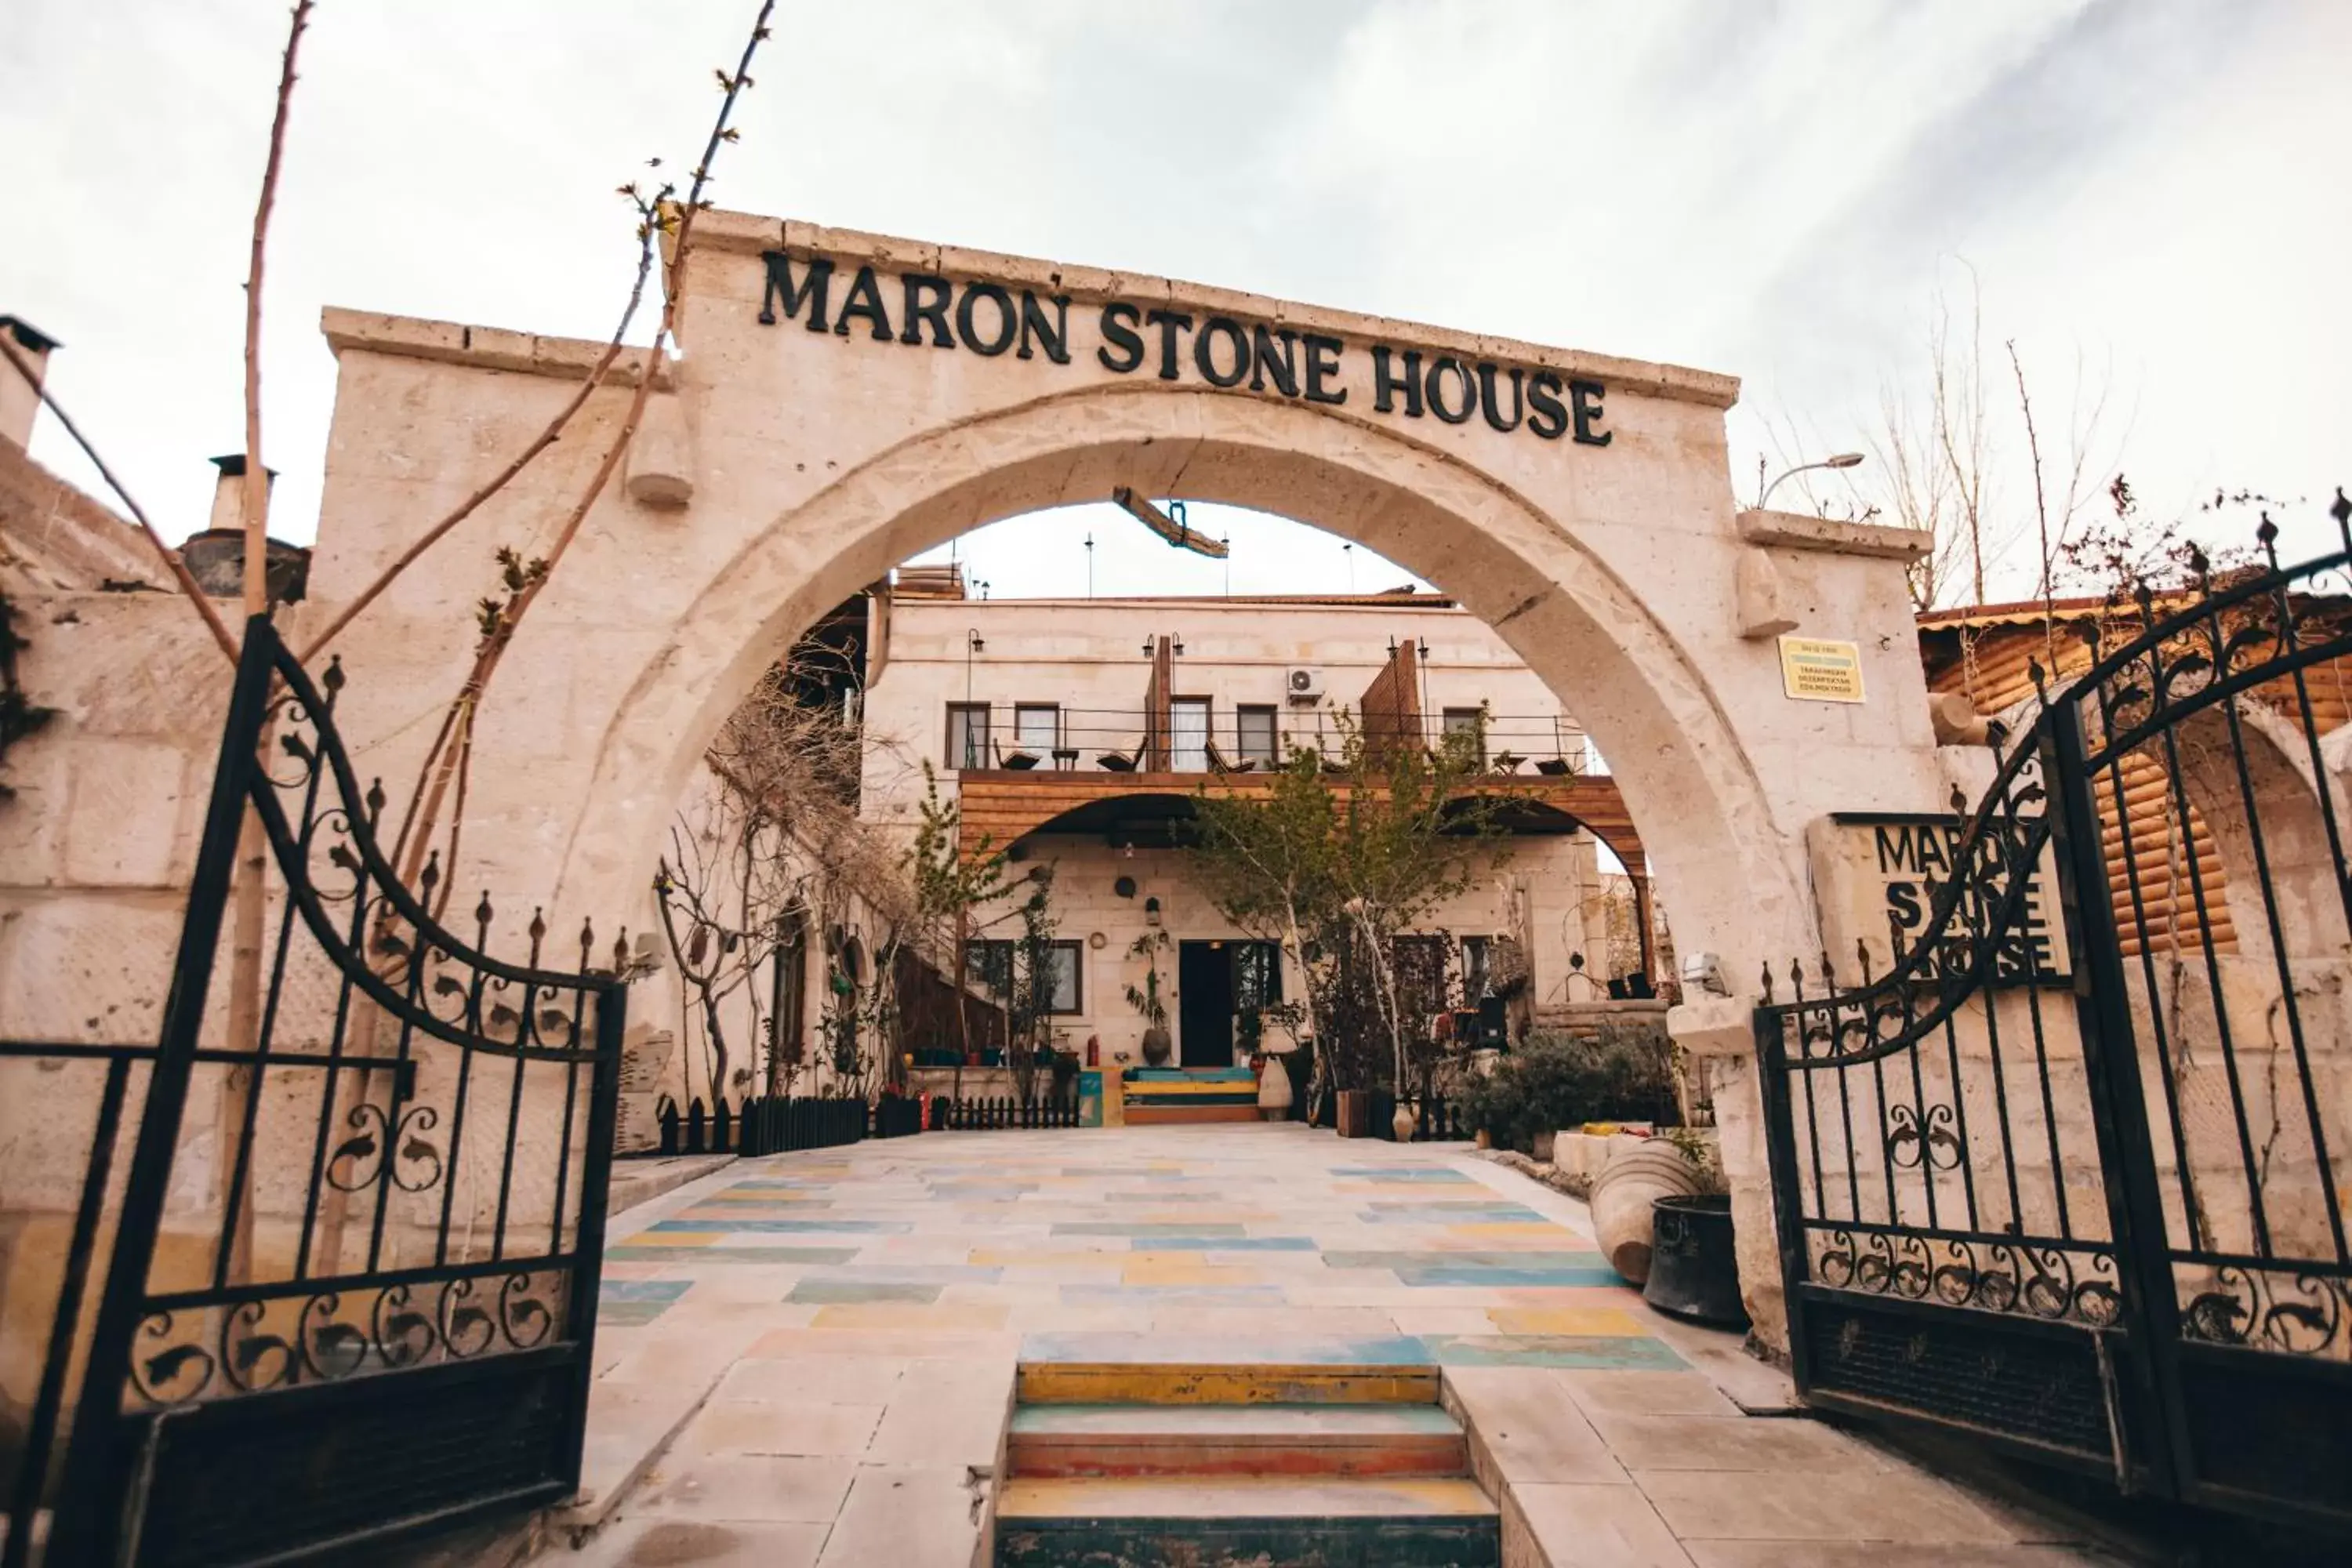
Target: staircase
(1160,1096)
(1214,1465)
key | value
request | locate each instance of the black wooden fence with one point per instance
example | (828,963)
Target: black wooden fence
(991,1115)
(765,1124)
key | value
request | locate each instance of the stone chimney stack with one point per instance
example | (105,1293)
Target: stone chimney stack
(19,401)
(229,495)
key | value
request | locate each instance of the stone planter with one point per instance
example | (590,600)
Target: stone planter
(1624,1195)
(1544,1143)
(1694,1266)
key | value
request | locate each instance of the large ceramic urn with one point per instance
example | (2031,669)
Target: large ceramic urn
(1633,1180)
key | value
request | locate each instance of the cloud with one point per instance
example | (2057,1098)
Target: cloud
(1766,189)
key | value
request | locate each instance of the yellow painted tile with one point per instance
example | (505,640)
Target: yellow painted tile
(943,1318)
(1101,1261)
(1509,1229)
(1597,1320)
(1184,1269)
(675,1238)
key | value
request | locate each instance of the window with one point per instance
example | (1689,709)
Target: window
(1469,721)
(1253,734)
(989,965)
(1066,989)
(967,735)
(1037,728)
(1421,963)
(1187,725)
(1257,975)
(1477,959)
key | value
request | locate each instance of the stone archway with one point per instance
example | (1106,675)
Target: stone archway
(808,440)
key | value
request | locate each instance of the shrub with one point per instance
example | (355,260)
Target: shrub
(1557,1080)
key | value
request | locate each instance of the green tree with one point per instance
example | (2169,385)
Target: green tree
(1344,852)
(949,885)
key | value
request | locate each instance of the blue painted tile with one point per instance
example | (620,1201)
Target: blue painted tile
(920,1273)
(1121,1228)
(1586,1352)
(1225,1244)
(1435,1258)
(1449,1214)
(780,1227)
(832,1292)
(1602,1274)
(1172,1295)
(1402,1173)
(773,1256)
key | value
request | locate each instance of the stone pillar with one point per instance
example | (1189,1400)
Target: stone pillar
(1722,1031)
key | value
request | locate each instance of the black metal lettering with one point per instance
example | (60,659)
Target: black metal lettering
(1437,368)
(1008,322)
(927,300)
(1584,400)
(1054,336)
(865,301)
(1547,417)
(1323,360)
(1265,361)
(1385,384)
(1118,320)
(1493,403)
(1205,357)
(1169,323)
(814,282)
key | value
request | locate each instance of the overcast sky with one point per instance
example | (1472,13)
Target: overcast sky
(2154,191)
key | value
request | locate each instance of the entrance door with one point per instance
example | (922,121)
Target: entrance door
(1204,985)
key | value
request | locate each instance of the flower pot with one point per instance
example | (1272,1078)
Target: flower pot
(1693,1264)
(1157,1047)
(1481,1140)
(1624,1195)
(1404,1121)
(1273,1094)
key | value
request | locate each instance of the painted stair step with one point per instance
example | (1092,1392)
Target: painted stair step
(1225,1382)
(1272,1440)
(1270,1523)
(1185,1115)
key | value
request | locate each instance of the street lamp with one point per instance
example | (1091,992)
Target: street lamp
(1842,460)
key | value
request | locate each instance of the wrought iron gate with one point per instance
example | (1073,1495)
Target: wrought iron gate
(350,1284)
(2078,1188)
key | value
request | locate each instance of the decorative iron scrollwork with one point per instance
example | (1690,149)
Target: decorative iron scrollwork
(2029,1279)
(328,1335)
(1907,1144)
(2289,1310)
(358,1162)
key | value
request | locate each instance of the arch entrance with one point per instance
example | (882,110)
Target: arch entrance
(846,401)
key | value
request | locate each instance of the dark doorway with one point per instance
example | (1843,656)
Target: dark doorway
(1204,987)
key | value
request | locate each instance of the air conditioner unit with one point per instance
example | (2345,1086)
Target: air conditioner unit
(1304,685)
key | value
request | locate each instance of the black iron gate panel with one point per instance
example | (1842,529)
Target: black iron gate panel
(351,1288)
(2086,1198)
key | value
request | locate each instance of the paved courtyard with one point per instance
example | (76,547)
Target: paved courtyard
(810,1359)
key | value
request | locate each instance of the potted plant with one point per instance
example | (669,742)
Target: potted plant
(1694,1255)
(1146,999)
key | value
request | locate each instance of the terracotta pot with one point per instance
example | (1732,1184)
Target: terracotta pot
(1480,1140)
(1403,1122)
(1157,1047)
(1623,1195)
(1274,1090)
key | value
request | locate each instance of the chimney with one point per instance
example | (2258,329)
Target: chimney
(216,558)
(20,400)
(229,495)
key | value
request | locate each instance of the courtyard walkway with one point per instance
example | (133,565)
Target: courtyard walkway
(810,1359)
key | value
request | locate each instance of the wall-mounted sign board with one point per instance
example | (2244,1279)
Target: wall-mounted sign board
(1876,874)
(1819,669)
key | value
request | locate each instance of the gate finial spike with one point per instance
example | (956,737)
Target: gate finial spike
(1767,982)
(334,680)
(482,913)
(430,878)
(2342,513)
(1959,798)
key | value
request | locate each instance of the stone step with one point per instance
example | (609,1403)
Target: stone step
(1161,1114)
(1109,1368)
(1219,1383)
(1268,1524)
(1273,1440)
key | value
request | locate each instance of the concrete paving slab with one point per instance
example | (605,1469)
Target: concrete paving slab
(1553,1525)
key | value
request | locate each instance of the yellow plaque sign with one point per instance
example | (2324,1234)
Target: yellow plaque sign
(1813,669)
